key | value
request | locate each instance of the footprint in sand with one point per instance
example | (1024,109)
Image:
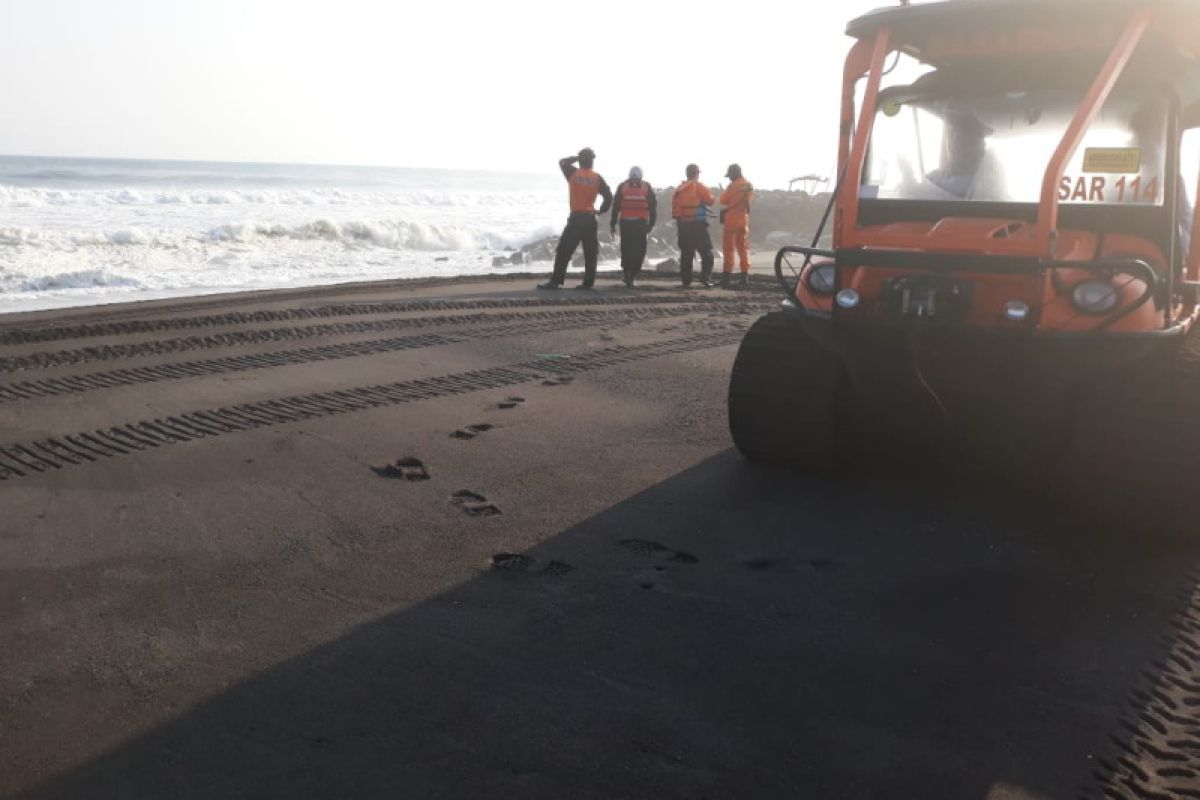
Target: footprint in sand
(511,562)
(645,547)
(474,504)
(763,564)
(519,562)
(471,431)
(407,469)
(511,402)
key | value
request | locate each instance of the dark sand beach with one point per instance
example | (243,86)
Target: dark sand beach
(454,539)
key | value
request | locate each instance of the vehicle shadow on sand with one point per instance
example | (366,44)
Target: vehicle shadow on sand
(729,632)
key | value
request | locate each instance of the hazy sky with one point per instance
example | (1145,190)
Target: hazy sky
(441,83)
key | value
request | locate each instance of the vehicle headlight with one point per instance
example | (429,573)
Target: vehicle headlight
(847,299)
(822,278)
(1016,311)
(1095,297)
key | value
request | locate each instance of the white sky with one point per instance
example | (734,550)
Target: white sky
(439,83)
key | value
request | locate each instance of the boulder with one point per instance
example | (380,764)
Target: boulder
(668,265)
(500,261)
(542,250)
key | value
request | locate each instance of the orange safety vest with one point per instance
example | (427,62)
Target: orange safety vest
(585,185)
(736,199)
(635,200)
(689,197)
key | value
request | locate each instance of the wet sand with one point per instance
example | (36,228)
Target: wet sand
(465,539)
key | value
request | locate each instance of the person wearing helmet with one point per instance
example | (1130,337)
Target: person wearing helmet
(735,217)
(690,208)
(635,209)
(585,183)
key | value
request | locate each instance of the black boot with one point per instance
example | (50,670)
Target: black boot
(724,280)
(745,280)
(550,284)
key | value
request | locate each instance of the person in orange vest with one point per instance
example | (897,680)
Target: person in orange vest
(585,183)
(636,210)
(690,208)
(735,216)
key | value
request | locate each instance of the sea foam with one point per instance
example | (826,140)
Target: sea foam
(77,231)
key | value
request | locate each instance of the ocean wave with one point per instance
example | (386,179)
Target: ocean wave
(33,197)
(60,281)
(385,234)
(392,235)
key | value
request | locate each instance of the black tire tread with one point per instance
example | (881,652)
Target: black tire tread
(783,397)
(1136,440)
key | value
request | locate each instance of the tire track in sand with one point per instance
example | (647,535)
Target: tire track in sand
(55,453)
(76,384)
(113,352)
(50,332)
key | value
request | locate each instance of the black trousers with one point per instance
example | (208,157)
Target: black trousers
(633,246)
(581,228)
(694,238)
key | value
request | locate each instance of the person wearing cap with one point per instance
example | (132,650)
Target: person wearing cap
(635,209)
(735,217)
(585,183)
(964,146)
(690,208)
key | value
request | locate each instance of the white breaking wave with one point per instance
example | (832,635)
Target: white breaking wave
(22,197)
(75,232)
(81,279)
(388,234)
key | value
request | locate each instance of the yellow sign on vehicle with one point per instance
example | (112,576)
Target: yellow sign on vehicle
(1113,160)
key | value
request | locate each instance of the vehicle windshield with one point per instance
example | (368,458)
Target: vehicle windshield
(995,147)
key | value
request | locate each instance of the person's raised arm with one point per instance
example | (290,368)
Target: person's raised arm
(567,165)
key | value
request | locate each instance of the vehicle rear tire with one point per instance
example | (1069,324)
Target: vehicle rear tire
(788,399)
(1136,440)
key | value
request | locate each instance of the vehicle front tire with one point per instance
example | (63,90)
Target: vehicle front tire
(789,399)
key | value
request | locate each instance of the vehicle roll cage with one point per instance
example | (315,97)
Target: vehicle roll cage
(1035,254)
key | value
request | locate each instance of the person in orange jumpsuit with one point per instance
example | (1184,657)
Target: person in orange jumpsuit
(735,215)
(585,184)
(690,207)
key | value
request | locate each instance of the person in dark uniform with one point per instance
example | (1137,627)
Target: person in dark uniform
(636,210)
(585,184)
(690,207)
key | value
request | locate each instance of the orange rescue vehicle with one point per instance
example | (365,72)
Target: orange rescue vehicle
(1014,256)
